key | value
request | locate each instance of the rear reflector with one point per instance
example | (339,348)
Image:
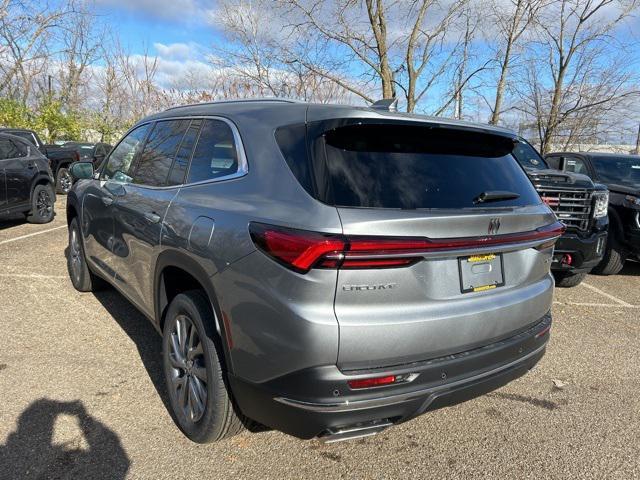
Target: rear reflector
(302,250)
(372,382)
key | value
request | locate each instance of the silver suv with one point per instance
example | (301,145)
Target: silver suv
(326,271)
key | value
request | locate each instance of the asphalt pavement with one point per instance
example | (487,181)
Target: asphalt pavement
(82,395)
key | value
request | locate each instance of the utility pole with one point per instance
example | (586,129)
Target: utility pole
(637,150)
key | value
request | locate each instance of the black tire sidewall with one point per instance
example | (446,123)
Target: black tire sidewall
(210,426)
(82,284)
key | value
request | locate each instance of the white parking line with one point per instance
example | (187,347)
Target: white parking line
(31,235)
(609,296)
(30,275)
(606,305)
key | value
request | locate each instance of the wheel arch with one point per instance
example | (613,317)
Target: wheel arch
(175,273)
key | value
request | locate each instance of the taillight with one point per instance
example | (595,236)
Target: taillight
(302,250)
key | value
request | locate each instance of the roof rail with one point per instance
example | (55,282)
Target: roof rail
(389,104)
(239,100)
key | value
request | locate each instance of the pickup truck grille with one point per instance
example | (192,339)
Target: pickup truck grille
(573,207)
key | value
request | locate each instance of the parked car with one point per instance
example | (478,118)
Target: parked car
(323,270)
(621,174)
(93,152)
(60,158)
(580,204)
(26,181)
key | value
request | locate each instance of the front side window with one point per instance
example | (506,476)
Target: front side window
(159,151)
(120,164)
(528,157)
(215,155)
(575,165)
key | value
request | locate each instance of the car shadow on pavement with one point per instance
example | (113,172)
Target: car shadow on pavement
(631,268)
(140,330)
(30,452)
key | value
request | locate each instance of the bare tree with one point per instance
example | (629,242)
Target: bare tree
(512,19)
(585,76)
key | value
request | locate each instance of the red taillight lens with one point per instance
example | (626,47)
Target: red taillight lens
(298,249)
(372,382)
(302,250)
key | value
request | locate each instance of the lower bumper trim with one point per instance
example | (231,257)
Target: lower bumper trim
(430,394)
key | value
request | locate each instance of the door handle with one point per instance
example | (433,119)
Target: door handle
(152,217)
(107,200)
(30,165)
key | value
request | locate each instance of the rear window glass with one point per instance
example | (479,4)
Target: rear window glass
(409,167)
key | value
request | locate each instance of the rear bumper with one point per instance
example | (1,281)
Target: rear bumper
(586,251)
(311,402)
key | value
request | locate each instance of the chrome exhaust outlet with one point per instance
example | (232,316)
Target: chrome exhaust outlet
(355,431)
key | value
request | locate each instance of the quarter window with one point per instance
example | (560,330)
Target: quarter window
(159,151)
(181,162)
(215,155)
(120,165)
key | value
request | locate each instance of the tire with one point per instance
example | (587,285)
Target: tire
(200,399)
(568,280)
(82,278)
(613,259)
(64,181)
(42,205)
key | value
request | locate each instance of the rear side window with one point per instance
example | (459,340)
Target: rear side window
(159,151)
(404,166)
(215,154)
(11,149)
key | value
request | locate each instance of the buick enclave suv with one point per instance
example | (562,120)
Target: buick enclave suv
(326,271)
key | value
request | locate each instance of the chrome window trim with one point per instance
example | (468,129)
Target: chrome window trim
(243,164)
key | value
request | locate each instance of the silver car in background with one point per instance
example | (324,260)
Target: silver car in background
(323,270)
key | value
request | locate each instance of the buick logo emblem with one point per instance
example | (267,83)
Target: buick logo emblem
(494,226)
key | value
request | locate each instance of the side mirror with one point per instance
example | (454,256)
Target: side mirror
(81,170)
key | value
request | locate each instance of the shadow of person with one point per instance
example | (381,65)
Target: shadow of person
(30,453)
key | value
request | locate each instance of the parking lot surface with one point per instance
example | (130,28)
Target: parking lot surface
(82,395)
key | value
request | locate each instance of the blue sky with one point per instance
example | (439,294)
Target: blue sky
(142,23)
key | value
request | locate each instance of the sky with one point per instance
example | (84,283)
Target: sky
(177,30)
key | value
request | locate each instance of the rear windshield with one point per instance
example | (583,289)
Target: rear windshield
(404,166)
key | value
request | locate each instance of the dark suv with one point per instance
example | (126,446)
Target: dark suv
(26,182)
(322,270)
(621,174)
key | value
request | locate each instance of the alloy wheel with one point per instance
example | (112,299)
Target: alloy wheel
(75,254)
(188,372)
(44,205)
(66,182)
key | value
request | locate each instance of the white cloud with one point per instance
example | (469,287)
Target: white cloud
(178,51)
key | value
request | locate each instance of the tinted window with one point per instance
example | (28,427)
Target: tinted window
(553,162)
(407,166)
(181,162)
(28,136)
(159,151)
(215,153)
(621,170)
(528,157)
(576,165)
(119,166)
(11,149)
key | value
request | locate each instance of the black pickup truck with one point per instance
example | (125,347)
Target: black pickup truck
(621,174)
(580,204)
(60,158)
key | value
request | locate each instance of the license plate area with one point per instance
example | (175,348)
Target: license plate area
(481,272)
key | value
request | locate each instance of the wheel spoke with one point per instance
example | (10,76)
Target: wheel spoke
(177,362)
(175,347)
(195,401)
(193,336)
(194,352)
(181,323)
(200,372)
(183,394)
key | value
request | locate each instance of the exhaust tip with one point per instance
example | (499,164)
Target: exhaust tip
(353,432)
